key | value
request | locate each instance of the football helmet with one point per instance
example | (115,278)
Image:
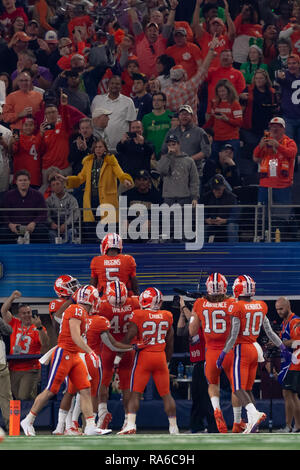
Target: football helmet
(116,293)
(111,240)
(66,285)
(151,298)
(216,283)
(87,295)
(243,286)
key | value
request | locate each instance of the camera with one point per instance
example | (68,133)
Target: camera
(50,127)
(131,135)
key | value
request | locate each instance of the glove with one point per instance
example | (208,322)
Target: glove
(141,345)
(95,359)
(221,359)
(286,354)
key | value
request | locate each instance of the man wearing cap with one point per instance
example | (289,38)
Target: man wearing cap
(100,119)
(220,221)
(225,166)
(179,173)
(193,139)
(184,53)
(150,44)
(142,100)
(276,157)
(76,97)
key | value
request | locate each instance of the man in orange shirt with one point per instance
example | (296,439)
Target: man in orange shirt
(21,103)
(155,324)
(185,53)
(276,155)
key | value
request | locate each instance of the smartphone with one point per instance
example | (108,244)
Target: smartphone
(131,135)
(50,127)
(35,313)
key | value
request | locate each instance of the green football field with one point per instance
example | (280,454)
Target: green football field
(140,441)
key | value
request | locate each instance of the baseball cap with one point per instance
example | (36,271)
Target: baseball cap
(34,21)
(187,108)
(51,37)
(99,112)
(180,31)
(278,120)
(217,181)
(152,24)
(172,138)
(21,36)
(142,174)
(227,147)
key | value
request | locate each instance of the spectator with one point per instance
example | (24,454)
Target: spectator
(276,154)
(82,145)
(9,54)
(153,86)
(5,156)
(270,36)
(21,103)
(142,100)
(215,27)
(18,24)
(254,62)
(220,221)
(30,337)
(42,77)
(151,43)
(122,110)
(131,68)
(26,148)
(5,386)
(63,213)
(157,123)
(179,173)
(193,139)
(288,82)
(100,119)
(43,12)
(134,153)
(55,132)
(6,78)
(226,118)
(77,98)
(291,30)
(284,47)
(100,174)
(11,12)
(164,64)
(184,53)
(225,71)
(247,27)
(225,166)
(24,222)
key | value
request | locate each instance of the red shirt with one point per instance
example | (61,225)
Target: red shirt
(233,75)
(24,340)
(95,326)
(27,155)
(187,56)
(119,316)
(65,340)
(223,44)
(226,130)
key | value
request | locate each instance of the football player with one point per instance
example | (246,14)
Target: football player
(156,325)
(117,307)
(112,265)
(248,315)
(211,313)
(64,287)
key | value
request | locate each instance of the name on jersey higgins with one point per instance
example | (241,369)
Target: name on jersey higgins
(112,262)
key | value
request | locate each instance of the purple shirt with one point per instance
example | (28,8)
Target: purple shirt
(43,71)
(33,199)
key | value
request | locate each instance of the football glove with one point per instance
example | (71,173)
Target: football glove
(286,354)
(141,345)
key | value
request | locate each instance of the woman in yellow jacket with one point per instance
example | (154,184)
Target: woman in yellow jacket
(100,173)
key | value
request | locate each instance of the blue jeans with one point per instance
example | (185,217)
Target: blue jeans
(279,195)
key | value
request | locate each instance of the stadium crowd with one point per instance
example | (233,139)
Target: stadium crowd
(92,93)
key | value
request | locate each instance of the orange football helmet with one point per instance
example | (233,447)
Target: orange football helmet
(116,293)
(151,298)
(111,240)
(87,295)
(66,285)
(243,286)
(216,283)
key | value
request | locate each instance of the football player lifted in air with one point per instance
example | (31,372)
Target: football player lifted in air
(248,316)
(211,313)
(155,324)
(112,265)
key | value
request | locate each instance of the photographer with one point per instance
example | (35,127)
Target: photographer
(28,336)
(134,153)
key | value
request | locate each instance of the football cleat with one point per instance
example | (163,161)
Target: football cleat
(239,427)
(87,295)
(104,420)
(74,430)
(116,293)
(128,430)
(151,298)
(174,430)
(243,286)
(253,424)
(111,240)
(2,435)
(27,428)
(216,284)
(66,285)
(220,421)
(94,431)
(58,432)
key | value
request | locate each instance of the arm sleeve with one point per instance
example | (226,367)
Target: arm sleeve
(235,328)
(270,333)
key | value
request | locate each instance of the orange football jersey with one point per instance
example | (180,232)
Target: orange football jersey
(251,314)
(24,340)
(119,316)
(154,324)
(215,321)
(64,340)
(95,326)
(54,305)
(111,268)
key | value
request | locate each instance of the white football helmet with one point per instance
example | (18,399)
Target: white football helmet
(216,284)
(116,293)
(243,286)
(87,295)
(151,298)
(111,240)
